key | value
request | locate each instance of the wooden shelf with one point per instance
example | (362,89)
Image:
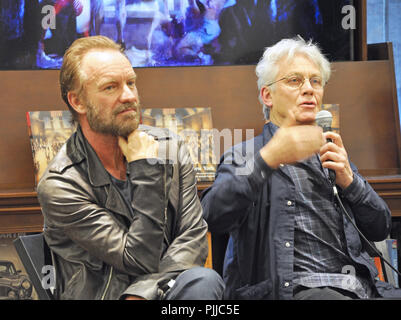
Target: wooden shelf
(389,188)
(20,210)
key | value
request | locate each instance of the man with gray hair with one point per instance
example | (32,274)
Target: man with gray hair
(289,238)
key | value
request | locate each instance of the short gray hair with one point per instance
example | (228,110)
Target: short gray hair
(267,67)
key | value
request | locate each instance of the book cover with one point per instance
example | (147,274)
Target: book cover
(334,109)
(48,131)
(209,259)
(392,251)
(195,126)
(379,268)
(15,283)
(382,247)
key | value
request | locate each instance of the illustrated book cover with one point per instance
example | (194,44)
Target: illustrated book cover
(195,126)
(383,248)
(48,131)
(334,109)
(15,283)
(392,246)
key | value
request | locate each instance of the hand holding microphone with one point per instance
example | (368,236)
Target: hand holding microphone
(333,154)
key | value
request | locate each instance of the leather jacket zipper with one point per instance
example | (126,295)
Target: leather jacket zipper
(165,204)
(107,284)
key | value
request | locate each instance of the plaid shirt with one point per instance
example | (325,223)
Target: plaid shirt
(320,251)
(258,208)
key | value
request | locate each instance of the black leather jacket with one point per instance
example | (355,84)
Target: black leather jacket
(101,251)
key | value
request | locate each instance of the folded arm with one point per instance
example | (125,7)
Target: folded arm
(70,206)
(188,247)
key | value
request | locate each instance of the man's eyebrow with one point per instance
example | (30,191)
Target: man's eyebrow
(110,79)
(133,77)
(301,73)
(292,74)
(105,81)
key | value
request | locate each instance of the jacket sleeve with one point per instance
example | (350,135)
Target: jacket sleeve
(70,207)
(189,247)
(239,177)
(371,213)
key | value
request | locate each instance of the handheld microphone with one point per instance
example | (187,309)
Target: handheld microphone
(323,119)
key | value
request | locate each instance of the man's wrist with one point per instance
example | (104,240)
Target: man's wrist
(131,158)
(269,157)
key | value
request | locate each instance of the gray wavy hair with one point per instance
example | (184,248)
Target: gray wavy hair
(267,67)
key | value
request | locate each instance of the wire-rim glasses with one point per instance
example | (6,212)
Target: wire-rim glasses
(297,81)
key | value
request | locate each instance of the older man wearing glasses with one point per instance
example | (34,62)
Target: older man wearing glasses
(289,238)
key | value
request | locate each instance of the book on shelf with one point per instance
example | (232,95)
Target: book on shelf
(15,283)
(334,109)
(195,126)
(209,259)
(388,249)
(379,267)
(392,251)
(49,130)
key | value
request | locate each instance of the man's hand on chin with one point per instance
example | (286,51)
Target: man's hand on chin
(138,145)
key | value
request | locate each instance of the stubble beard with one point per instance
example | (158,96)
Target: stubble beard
(117,125)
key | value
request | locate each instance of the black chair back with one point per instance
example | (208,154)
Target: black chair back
(35,255)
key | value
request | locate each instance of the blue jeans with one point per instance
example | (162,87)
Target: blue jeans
(197,284)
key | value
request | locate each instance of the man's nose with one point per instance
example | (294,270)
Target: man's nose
(128,94)
(307,87)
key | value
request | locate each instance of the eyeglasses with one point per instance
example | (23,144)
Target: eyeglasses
(297,81)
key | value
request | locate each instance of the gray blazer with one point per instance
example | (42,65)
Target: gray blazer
(101,251)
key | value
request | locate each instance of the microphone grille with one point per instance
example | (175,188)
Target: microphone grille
(323,119)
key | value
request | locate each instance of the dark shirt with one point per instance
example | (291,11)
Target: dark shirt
(124,187)
(320,250)
(258,208)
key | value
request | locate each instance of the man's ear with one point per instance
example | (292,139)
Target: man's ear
(265,94)
(76,102)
